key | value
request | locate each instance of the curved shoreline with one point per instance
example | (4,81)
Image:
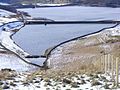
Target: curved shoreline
(48,53)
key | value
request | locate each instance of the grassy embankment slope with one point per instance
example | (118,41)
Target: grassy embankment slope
(84,55)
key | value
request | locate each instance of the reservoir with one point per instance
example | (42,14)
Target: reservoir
(35,39)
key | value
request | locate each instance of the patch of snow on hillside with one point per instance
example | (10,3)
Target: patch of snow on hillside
(4,13)
(113,31)
(13,62)
(6,20)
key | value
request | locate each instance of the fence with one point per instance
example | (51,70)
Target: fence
(109,65)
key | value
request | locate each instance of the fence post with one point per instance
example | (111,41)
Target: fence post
(112,67)
(105,57)
(117,72)
(102,64)
(108,63)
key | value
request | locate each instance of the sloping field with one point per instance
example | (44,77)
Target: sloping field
(83,55)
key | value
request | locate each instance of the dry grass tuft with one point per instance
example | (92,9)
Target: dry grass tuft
(7,74)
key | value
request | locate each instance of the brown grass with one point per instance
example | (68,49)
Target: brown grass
(83,57)
(7,74)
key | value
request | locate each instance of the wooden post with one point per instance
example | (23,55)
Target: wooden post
(102,64)
(108,62)
(112,66)
(105,57)
(117,72)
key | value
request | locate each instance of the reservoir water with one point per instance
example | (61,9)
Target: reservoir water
(35,39)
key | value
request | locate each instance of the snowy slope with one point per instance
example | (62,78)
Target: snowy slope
(5,13)
(57,57)
(7,27)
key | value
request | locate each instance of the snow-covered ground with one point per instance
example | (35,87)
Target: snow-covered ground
(8,27)
(4,13)
(5,17)
(20,82)
(13,62)
(4,3)
(78,82)
(6,20)
(40,4)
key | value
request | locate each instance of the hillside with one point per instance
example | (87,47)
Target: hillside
(76,65)
(83,52)
(79,64)
(108,3)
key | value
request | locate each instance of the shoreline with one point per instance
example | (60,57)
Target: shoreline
(77,51)
(70,80)
(20,6)
(83,36)
(75,65)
